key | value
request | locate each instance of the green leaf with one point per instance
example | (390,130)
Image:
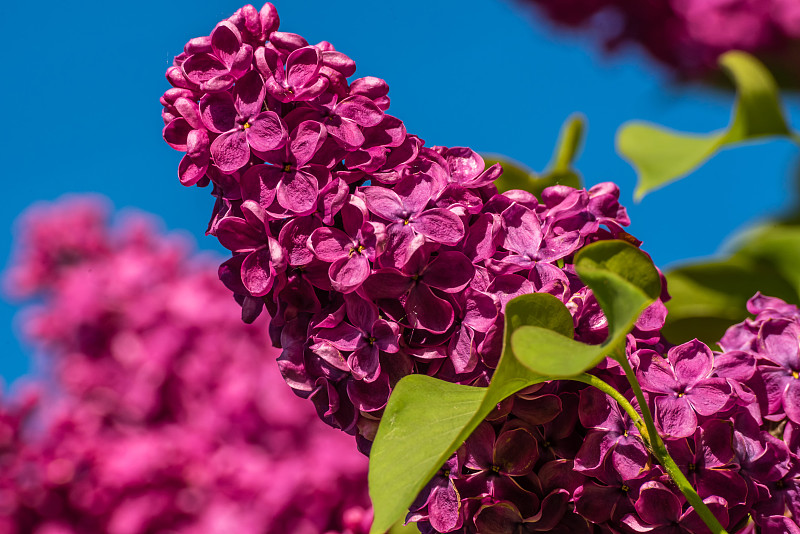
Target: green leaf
(570,141)
(623,280)
(560,171)
(661,156)
(427,419)
(777,246)
(400,528)
(709,297)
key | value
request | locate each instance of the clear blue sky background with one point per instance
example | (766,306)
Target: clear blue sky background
(82,80)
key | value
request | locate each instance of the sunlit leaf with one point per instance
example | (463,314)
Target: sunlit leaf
(661,156)
(624,281)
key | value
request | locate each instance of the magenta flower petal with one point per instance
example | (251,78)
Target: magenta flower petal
(294,238)
(343,336)
(348,273)
(218,113)
(192,170)
(657,505)
(708,397)
(655,374)
(364,363)
(426,310)
(259,183)
(692,361)
(523,230)
(443,507)
(248,94)
(297,191)
(360,110)
(440,225)
(258,274)
(450,271)
(791,400)
(387,284)
(302,66)
(176,133)
(515,452)
(230,151)
(306,140)
(200,68)
(498,518)
(778,341)
(266,132)
(383,202)
(480,447)
(226,41)
(676,417)
(460,350)
(345,131)
(237,235)
(330,244)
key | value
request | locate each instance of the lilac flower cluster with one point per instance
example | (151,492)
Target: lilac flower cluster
(376,255)
(163,412)
(689,35)
(561,458)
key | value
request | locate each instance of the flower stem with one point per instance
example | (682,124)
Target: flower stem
(660,451)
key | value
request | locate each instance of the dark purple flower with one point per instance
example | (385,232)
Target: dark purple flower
(496,459)
(261,257)
(241,123)
(404,209)
(418,282)
(288,176)
(216,62)
(299,79)
(351,250)
(779,345)
(659,510)
(365,337)
(708,461)
(683,386)
(613,439)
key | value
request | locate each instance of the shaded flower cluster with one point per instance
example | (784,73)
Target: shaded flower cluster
(689,35)
(163,411)
(560,457)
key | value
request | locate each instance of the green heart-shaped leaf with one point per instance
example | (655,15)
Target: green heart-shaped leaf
(624,281)
(661,156)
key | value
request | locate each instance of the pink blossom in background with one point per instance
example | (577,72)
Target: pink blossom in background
(160,411)
(689,35)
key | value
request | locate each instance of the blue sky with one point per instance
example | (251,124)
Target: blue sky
(82,111)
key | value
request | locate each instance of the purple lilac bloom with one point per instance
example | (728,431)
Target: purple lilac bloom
(395,258)
(162,411)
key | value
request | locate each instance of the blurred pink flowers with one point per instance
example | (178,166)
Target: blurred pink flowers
(163,412)
(689,35)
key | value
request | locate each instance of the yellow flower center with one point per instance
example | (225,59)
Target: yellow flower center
(287,167)
(246,125)
(795,375)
